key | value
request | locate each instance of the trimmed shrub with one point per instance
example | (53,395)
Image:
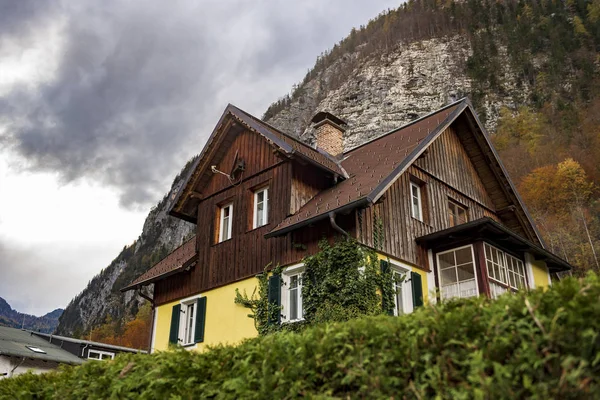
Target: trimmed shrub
(528,345)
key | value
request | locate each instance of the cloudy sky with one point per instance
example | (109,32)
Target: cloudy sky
(103,102)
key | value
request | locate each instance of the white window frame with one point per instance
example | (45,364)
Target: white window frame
(406,286)
(223,236)
(265,216)
(414,185)
(439,271)
(286,275)
(505,260)
(100,354)
(457,205)
(184,332)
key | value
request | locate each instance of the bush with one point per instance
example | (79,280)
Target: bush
(537,344)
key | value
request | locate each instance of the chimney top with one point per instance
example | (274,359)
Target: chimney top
(321,116)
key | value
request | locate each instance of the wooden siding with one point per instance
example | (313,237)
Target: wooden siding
(445,173)
(447,161)
(248,252)
(307,181)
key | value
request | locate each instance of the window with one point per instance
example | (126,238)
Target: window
(36,349)
(415,198)
(504,271)
(291,294)
(188,323)
(100,355)
(456,272)
(188,319)
(457,214)
(261,207)
(403,303)
(226,222)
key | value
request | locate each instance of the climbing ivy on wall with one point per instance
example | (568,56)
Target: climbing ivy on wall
(341,282)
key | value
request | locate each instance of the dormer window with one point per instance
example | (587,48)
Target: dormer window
(261,207)
(226,215)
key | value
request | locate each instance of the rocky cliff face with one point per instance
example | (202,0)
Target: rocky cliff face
(391,88)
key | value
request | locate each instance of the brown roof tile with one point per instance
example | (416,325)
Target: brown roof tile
(370,166)
(179,259)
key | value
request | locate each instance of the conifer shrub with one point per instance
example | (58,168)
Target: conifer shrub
(541,344)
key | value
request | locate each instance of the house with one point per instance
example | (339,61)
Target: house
(432,197)
(85,349)
(22,351)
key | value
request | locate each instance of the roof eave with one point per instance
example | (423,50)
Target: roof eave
(280,232)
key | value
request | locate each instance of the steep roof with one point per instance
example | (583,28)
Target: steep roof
(377,164)
(14,342)
(372,167)
(287,144)
(178,260)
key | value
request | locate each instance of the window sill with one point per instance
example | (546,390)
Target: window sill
(258,227)
(189,345)
(293,321)
(224,241)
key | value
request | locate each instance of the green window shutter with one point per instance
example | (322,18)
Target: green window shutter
(274,297)
(417,289)
(174,334)
(385,268)
(200,320)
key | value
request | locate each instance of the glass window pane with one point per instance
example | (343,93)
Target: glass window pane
(448,276)
(465,272)
(94,355)
(446,260)
(464,256)
(293,303)
(468,289)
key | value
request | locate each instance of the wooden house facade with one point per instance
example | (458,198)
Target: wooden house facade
(431,197)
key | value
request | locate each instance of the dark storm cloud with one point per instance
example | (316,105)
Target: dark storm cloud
(18,17)
(139,85)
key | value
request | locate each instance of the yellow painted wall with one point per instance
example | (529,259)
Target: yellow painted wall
(226,322)
(540,274)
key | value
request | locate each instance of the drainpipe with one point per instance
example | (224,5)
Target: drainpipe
(83,350)
(336,226)
(16,366)
(152,306)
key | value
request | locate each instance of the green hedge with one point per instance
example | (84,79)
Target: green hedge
(539,345)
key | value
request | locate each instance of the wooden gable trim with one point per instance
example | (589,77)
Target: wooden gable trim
(498,168)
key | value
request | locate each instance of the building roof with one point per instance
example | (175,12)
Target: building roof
(491,231)
(88,342)
(372,167)
(178,260)
(14,342)
(285,143)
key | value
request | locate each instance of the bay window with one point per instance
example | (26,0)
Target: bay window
(505,271)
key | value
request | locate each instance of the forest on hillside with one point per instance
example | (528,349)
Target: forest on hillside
(550,143)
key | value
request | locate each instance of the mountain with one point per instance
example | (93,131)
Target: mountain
(530,68)
(14,319)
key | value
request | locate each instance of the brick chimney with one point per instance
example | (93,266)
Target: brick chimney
(329,133)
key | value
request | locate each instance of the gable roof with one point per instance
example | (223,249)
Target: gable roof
(373,166)
(377,164)
(287,144)
(14,342)
(177,261)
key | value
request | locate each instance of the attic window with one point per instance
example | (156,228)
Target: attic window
(36,349)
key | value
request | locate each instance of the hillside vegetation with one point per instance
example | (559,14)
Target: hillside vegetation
(528,345)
